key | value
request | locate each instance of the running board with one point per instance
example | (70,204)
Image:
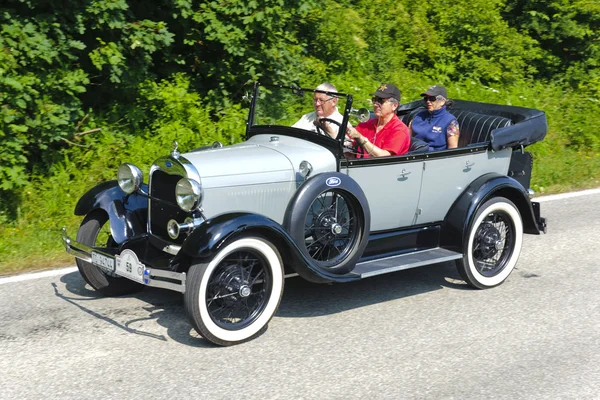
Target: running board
(404,261)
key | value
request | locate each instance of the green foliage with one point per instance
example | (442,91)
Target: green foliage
(238,42)
(399,38)
(39,88)
(340,42)
(171,111)
(476,43)
(568,33)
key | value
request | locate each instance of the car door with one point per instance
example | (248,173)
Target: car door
(391,185)
(446,175)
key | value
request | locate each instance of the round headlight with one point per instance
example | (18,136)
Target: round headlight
(188,194)
(305,169)
(130,178)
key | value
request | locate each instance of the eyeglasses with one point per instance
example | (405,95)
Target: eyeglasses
(379,100)
(431,98)
(317,101)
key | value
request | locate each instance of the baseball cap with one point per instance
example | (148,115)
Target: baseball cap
(436,90)
(386,91)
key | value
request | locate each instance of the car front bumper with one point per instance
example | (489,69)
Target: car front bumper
(132,268)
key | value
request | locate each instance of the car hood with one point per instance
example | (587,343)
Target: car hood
(262,159)
(242,164)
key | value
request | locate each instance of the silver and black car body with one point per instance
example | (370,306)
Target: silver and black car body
(224,225)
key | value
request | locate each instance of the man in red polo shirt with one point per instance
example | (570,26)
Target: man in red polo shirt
(384,135)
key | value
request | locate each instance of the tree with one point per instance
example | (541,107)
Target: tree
(568,33)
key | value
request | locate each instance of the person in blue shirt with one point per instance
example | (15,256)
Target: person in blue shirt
(436,126)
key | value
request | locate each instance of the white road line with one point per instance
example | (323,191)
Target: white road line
(63,271)
(562,196)
(37,275)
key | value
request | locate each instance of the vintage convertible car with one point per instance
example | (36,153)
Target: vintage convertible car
(226,225)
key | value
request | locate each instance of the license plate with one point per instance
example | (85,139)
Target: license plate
(105,262)
(128,266)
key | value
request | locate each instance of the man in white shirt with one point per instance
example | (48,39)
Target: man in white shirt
(325,107)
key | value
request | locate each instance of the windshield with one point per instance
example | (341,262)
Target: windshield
(296,107)
(285,106)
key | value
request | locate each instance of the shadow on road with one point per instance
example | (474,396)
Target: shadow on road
(301,299)
(163,306)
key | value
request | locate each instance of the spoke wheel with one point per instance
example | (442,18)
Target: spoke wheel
(332,227)
(238,289)
(94,231)
(494,244)
(232,298)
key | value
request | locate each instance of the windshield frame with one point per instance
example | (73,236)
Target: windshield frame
(336,145)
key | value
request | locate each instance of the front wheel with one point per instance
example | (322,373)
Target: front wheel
(94,231)
(493,245)
(232,298)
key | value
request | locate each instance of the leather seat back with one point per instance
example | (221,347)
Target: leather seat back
(477,128)
(474,127)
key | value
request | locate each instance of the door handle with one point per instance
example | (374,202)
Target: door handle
(404,173)
(469,164)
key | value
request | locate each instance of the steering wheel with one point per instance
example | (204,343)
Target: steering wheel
(321,131)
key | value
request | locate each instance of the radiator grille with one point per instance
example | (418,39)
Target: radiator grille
(163,206)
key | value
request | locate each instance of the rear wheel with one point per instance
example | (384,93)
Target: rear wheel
(94,231)
(232,298)
(493,245)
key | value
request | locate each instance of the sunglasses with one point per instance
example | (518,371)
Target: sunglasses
(379,100)
(429,98)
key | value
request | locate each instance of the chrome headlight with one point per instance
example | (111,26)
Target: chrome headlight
(188,194)
(130,178)
(305,169)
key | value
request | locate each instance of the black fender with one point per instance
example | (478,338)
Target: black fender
(455,226)
(128,214)
(214,234)
(309,191)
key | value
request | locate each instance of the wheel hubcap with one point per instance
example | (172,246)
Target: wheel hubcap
(491,241)
(498,245)
(238,290)
(336,228)
(245,291)
(331,228)
(493,244)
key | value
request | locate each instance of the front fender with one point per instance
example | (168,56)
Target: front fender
(455,226)
(128,214)
(214,234)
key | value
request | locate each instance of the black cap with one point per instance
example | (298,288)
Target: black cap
(436,90)
(386,91)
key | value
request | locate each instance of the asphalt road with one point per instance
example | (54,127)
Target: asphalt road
(416,334)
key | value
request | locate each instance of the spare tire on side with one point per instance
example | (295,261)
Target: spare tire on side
(329,220)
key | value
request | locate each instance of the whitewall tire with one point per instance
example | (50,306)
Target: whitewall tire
(493,244)
(232,298)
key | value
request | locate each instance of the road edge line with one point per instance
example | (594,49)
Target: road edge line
(568,195)
(36,275)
